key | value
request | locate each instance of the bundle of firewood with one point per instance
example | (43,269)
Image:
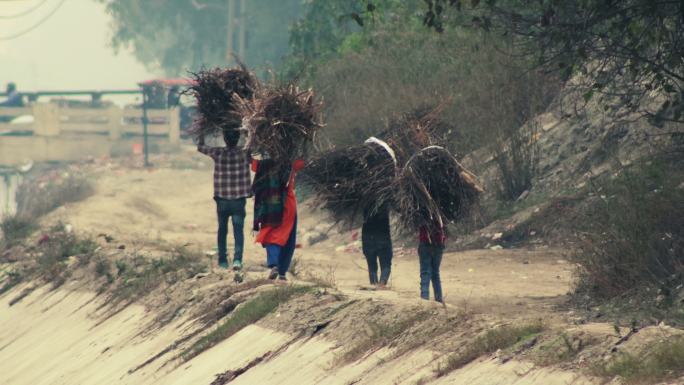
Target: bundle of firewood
(283,121)
(218,92)
(351,182)
(433,188)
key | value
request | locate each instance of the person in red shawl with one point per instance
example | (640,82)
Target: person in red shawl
(275,213)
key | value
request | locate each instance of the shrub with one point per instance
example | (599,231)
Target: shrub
(55,251)
(35,198)
(516,154)
(633,236)
(402,69)
(143,276)
(12,279)
(15,229)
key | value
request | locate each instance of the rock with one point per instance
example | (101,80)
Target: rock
(523,195)
(313,237)
(210,253)
(497,236)
(496,247)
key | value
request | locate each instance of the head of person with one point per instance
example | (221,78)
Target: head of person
(231,137)
(11,87)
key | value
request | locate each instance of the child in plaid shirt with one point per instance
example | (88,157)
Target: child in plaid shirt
(232,187)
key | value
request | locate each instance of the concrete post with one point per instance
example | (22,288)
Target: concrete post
(45,119)
(114,122)
(173,121)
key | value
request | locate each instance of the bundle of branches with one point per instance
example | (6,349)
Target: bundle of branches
(351,182)
(416,130)
(217,106)
(282,121)
(432,188)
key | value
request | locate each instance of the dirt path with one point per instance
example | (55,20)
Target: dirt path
(137,206)
(67,336)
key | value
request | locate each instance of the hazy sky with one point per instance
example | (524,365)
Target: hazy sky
(68,51)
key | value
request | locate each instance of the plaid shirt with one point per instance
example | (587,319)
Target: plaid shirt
(231,171)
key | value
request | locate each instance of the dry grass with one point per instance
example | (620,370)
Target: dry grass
(244,315)
(487,343)
(660,361)
(381,334)
(141,276)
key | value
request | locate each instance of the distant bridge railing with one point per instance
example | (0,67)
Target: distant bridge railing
(49,119)
(49,131)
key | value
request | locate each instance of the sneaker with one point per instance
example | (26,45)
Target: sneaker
(274,273)
(223,264)
(237,265)
(282,280)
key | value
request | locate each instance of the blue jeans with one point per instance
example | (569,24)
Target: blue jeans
(281,256)
(235,209)
(430,258)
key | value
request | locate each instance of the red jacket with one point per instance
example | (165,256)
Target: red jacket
(436,236)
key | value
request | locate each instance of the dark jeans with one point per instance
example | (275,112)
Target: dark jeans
(382,251)
(235,209)
(430,259)
(281,256)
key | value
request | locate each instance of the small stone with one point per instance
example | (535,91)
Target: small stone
(496,247)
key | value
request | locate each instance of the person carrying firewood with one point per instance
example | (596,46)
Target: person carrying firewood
(432,240)
(376,244)
(232,187)
(376,238)
(275,213)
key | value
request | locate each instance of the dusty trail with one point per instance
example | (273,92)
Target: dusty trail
(64,337)
(175,205)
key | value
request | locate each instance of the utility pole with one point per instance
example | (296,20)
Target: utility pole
(243,27)
(230,27)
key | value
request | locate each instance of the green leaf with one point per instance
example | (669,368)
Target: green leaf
(588,95)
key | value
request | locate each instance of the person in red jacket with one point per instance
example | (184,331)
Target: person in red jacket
(431,245)
(275,213)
